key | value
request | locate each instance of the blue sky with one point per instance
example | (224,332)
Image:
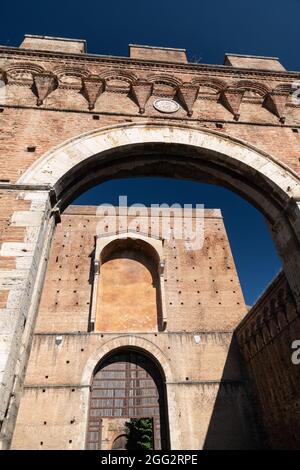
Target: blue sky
(207,30)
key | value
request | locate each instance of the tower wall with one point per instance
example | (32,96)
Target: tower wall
(204,303)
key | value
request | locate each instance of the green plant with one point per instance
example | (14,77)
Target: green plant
(139,433)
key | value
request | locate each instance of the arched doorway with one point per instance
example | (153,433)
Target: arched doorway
(127,386)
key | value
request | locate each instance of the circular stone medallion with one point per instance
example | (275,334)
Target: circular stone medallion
(166,106)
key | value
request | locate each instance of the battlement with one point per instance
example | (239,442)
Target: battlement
(254,62)
(53,44)
(166,54)
(149,53)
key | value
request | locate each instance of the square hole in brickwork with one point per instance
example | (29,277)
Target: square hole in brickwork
(295,130)
(31,148)
(96,117)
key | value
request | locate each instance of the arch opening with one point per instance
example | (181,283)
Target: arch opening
(186,152)
(256,264)
(178,161)
(127,386)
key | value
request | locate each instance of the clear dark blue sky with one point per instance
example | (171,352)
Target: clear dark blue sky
(207,30)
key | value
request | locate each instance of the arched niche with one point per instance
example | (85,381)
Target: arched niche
(128,287)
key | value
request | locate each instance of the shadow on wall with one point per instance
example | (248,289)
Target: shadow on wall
(234,423)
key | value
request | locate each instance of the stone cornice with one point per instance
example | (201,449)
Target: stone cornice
(148,64)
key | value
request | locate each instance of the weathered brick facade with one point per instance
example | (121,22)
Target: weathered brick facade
(69,120)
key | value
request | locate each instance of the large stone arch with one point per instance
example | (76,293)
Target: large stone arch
(60,166)
(180,151)
(147,149)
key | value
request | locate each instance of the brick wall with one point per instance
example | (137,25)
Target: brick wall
(265,337)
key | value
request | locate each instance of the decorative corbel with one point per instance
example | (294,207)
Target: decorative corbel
(231,99)
(275,102)
(141,91)
(188,93)
(92,87)
(43,84)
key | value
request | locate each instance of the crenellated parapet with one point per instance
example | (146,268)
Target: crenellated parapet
(266,337)
(274,311)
